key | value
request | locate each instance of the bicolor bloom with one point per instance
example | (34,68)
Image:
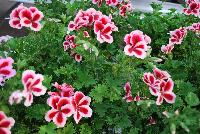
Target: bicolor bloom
(69,42)
(136,44)
(195,27)
(152,82)
(64,90)
(177,36)
(98,2)
(160,74)
(160,85)
(14,17)
(137,97)
(151,121)
(78,57)
(112,2)
(32,86)
(61,109)
(28,17)
(6,69)
(193,7)
(15,97)
(80,104)
(167,49)
(165,92)
(86,34)
(124,8)
(6,123)
(128,96)
(31,18)
(103,28)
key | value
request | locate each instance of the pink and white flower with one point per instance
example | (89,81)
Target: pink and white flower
(137,97)
(195,27)
(15,97)
(6,69)
(112,2)
(78,57)
(14,17)
(160,74)
(80,104)
(69,42)
(128,96)
(124,8)
(31,18)
(98,2)
(177,36)
(152,82)
(193,7)
(136,44)
(165,92)
(160,85)
(167,49)
(28,17)
(86,34)
(32,86)
(6,123)
(61,109)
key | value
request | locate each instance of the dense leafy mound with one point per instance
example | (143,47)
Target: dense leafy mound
(103,77)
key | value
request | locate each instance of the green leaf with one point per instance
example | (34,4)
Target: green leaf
(47,129)
(69,129)
(192,99)
(85,129)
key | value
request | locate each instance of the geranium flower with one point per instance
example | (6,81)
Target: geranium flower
(14,17)
(15,97)
(152,82)
(65,90)
(78,57)
(151,121)
(195,27)
(177,36)
(86,34)
(124,8)
(128,96)
(80,104)
(61,109)
(193,7)
(165,92)
(99,2)
(69,42)
(6,69)
(135,44)
(112,2)
(167,49)
(32,86)
(6,123)
(137,97)
(31,18)
(160,74)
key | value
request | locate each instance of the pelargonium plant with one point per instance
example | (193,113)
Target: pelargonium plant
(101,67)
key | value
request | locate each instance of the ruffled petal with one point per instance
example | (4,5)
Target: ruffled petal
(85,101)
(50,114)
(62,102)
(67,110)
(159,100)
(77,117)
(169,97)
(28,99)
(60,119)
(85,111)
(53,101)
(7,123)
(4,131)
(36,26)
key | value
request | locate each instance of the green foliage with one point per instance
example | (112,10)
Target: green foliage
(104,71)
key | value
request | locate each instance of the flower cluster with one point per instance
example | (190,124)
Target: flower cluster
(160,85)
(6,69)
(32,86)
(124,6)
(103,25)
(27,17)
(193,7)
(66,103)
(195,27)
(136,44)
(6,123)
(108,2)
(177,37)
(128,96)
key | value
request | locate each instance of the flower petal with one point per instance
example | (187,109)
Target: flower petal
(60,119)
(85,111)
(50,114)
(169,97)
(7,123)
